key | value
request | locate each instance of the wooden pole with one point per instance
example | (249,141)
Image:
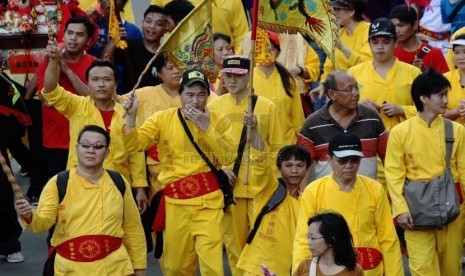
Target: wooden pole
(251,91)
(11,178)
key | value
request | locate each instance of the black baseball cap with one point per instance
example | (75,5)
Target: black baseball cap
(193,76)
(236,64)
(344,145)
(382,27)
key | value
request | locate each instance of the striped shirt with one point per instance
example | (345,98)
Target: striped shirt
(320,127)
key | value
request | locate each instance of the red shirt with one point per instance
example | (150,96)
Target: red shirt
(106,116)
(55,127)
(434,58)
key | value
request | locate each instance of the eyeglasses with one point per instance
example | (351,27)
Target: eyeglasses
(312,237)
(88,146)
(352,159)
(352,90)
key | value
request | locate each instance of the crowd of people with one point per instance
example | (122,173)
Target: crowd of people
(325,169)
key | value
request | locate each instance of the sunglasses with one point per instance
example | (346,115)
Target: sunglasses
(352,159)
(88,146)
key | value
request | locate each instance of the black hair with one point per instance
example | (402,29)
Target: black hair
(336,233)
(97,129)
(154,9)
(462,36)
(102,63)
(90,28)
(426,84)
(293,151)
(178,9)
(359,8)
(160,61)
(222,36)
(286,78)
(331,80)
(404,14)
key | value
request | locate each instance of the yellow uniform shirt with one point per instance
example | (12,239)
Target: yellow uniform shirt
(228,17)
(290,111)
(267,121)
(410,155)
(357,43)
(367,212)
(92,209)
(456,92)
(177,155)
(272,244)
(394,89)
(81,111)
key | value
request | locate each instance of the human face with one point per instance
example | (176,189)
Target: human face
(170,75)
(274,50)
(170,24)
(346,94)
(459,56)
(382,48)
(76,38)
(153,26)
(101,83)
(236,84)
(344,16)
(345,169)
(293,171)
(93,156)
(195,95)
(436,103)
(316,241)
(404,31)
(222,50)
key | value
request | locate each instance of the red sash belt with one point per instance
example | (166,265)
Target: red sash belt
(88,248)
(188,187)
(435,35)
(368,257)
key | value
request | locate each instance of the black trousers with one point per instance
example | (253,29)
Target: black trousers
(10,229)
(37,172)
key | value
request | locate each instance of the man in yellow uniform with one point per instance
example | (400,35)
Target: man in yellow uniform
(191,206)
(238,218)
(385,81)
(416,151)
(98,230)
(228,17)
(270,241)
(100,109)
(361,201)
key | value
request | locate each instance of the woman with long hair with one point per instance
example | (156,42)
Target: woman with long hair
(273,81)
(352,45)
(330,242)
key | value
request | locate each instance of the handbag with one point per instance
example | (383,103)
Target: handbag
(223,180)
(434,203)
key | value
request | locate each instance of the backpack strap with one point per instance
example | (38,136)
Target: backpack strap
(449,140)
(118,180)
(278,196)
(62,184)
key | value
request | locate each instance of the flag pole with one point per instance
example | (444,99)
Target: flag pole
(16,190)
(253,37)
